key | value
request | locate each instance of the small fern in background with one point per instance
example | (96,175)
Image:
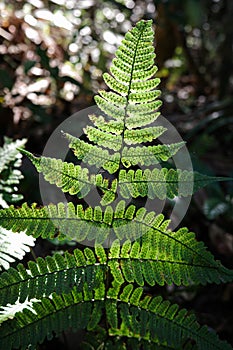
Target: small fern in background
(10,176)
(102,289)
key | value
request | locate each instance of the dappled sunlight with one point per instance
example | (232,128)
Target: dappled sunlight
(59,48)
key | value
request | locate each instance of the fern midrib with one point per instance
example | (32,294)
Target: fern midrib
(128,93)
(165,261)
(101,157)
(110,226)
(173,238)
(143,154)
(179,242)
(49,315)
(52,218)
(105,264)
(77,179)
(25,280)
(169,181)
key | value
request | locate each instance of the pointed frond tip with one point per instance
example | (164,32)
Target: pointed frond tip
(72,178)
(131,102)
(163,183)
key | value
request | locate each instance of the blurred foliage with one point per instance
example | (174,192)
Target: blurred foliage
(10,175)
(53,54)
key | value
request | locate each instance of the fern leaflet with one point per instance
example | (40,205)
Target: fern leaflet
(162,183)
(159,321)
(128,313)
(53,274)
(13,247)
(127,110)
(72,178)
(170,257)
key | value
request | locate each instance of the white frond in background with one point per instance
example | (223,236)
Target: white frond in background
(13,246)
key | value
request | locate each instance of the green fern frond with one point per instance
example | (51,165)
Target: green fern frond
(13,246)
(159,321)
(72,178)
(128,109)
(93,287)
(149,155)
(168,257)
(51,316)
(94,155)
(57,274)
(57,220)
(129,314)
(62,221)
(138,114)
(111,110)
(112,126)
(140,155)
(103,138)
(162,183)
(143,135)
(114,142)
(141,118)
(164,257)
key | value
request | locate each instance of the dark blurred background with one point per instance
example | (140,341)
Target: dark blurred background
(52,57)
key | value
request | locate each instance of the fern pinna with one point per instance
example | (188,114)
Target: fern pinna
(98,289)
(10,176)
